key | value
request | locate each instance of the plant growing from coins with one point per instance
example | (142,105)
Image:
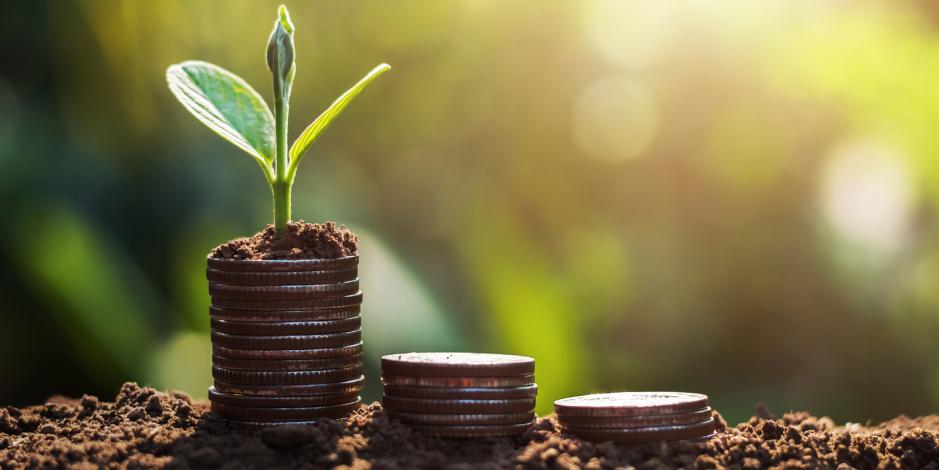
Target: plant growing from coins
(229,106)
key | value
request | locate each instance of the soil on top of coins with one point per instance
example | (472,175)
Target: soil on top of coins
(300,240)
(144,428)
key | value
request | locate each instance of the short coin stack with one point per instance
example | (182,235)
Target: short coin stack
(286,339)
(460,394)
(636,417)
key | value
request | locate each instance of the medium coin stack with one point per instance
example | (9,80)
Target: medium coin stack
(286,339)
(460,394)
(636,417)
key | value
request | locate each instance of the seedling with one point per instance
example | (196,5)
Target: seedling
(230,107)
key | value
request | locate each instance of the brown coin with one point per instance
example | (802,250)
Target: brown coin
(281,265)
(278,414)
(302,292)
(625,422)
(293,377)
(468,393)
(501,430)
(647,434)
(456,364)
(349,387)
(630,404)
(288,354)
(310,304)
(321,314)
(278,402)
(286,327)
(329,340)
(268,424)
(456,405)
(463,419)
(287,278)
(482,382)
(273,364)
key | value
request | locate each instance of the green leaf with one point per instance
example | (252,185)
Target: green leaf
(311,133)
(227,104)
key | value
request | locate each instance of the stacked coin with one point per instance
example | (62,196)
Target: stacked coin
(460,394)
(636,417)
(286,339)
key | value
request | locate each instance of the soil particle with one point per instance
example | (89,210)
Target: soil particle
(299,241)
(143,428)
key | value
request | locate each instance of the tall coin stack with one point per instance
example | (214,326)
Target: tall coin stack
(286,339)
(460,394)
(636,417)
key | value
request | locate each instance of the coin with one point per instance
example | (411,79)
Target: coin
(301,292)
(316,314)
(288,354)
(501,430)
(463,419)
(273,364)
(286,327)
(309,304)
(278,402)
(299,377)
(281,265)
(483,382)
(457,364)
(625,422)
(267,424)
(287,278)
(456,405)
(469,393)
(348,387)
(646,434)
(630,404)
(328,340)
(277,414)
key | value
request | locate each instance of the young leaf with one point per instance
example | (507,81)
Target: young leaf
(280,54)
(227,105)
(311,133)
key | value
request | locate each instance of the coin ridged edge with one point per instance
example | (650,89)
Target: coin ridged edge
(280,265)
(469,393)
(284,278)
(460,419)
(288,354)
(394,403)
(462,382)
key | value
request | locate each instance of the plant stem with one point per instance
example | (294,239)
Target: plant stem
(281,190)
(281,186)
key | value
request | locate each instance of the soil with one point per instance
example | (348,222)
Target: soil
(144,428)
(301,240)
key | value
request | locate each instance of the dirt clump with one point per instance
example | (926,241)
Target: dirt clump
(300,240)
(144,428)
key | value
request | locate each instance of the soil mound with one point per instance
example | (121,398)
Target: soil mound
(300,241)
(144,428)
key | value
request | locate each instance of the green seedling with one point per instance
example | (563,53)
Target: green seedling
(231,108)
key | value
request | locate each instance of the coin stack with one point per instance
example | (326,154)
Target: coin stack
(460,394)
(286,339)
(636,417)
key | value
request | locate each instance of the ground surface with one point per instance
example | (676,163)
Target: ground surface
(143,428)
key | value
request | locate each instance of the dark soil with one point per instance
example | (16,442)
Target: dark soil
(143,428)
(300,241)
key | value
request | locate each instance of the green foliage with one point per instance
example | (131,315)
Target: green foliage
(230,107)
(227,105)
(322,122)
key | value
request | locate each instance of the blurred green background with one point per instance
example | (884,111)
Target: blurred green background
(731,197)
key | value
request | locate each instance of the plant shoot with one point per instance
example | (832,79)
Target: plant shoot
(230,107)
